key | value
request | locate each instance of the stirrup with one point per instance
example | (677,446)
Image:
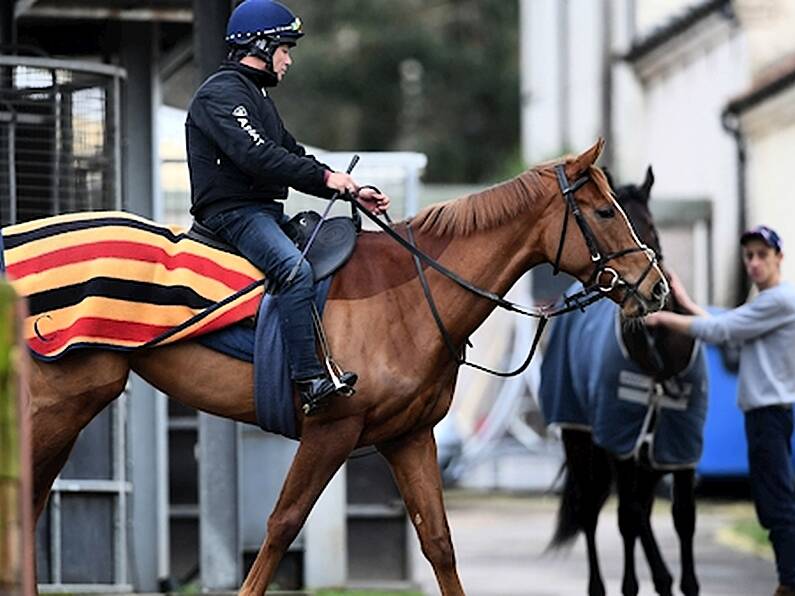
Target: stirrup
(343,380)
(341,385)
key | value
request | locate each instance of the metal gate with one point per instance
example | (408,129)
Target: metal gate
(60,148)
(60,142)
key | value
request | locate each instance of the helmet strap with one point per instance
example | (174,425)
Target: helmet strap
(263,49)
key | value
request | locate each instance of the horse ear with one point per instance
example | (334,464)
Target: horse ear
(586,159)
(647,183)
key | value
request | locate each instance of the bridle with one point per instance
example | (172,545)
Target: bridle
(592,291)
(598,256)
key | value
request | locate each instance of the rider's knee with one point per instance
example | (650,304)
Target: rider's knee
(303,275)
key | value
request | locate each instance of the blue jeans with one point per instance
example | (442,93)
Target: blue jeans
(769,431)
(255,230)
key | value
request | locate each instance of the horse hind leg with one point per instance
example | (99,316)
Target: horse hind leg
(416,471)
(64,397)
(323,449)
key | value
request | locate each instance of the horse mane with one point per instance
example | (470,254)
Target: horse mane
(494,206)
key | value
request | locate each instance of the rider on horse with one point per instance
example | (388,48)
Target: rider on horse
(242,161)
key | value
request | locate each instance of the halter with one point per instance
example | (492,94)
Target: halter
(592,291)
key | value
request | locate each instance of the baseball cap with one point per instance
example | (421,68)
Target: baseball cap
(765,234)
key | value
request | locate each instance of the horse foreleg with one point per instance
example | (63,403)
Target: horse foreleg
(645,483)
(416,470)
(684,514)
(587,488)
(324,448)
(629,523)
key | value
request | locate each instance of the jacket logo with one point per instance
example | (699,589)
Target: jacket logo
(241,115)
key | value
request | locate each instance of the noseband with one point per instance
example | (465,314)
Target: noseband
(594,285)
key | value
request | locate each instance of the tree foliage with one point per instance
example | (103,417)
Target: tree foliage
(440,77)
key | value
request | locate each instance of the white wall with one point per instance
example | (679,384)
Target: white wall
(770,130)
(770,29)
(585,21)
(540,80)
(654,13)
(686,89)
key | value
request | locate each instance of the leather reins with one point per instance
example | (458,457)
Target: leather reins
(592,291)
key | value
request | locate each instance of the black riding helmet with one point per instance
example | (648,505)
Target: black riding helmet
(258,27)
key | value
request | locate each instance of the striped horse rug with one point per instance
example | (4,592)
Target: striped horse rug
(116,280)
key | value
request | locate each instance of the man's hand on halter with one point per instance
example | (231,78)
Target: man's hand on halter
(374,201)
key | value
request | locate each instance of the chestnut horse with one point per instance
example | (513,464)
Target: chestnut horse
(379,324)
(590,468)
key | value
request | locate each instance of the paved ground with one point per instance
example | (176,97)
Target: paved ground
(500,541)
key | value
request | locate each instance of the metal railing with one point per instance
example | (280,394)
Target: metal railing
(60,137)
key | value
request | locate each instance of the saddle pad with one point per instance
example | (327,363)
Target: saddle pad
(264,346)
(588,381)
(115,280)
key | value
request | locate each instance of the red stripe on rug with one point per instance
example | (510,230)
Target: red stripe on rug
(137,251)
(110,332)
(96,328)
(238,313)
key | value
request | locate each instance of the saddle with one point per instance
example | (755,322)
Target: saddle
(331,249)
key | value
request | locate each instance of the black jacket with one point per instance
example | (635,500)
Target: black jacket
(238,149)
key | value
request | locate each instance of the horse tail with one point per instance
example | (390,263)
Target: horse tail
(568,522)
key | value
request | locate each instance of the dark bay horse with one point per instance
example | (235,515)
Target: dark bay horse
(667,358)
(379,324)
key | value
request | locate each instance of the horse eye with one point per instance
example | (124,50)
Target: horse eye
(606,213)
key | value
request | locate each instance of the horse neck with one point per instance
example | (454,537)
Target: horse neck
(492,260)
(675,349)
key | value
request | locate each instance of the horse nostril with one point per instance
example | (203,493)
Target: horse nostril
(660,289)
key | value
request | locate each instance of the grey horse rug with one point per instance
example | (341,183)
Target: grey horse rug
(588,381)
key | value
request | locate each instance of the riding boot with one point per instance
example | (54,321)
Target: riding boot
(316,392)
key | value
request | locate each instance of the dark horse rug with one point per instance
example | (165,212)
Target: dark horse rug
(588,381)
(117,281)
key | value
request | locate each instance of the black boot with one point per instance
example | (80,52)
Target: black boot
(316,392)
(349,379)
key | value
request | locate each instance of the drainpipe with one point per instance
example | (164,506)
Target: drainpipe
(607,85)
(730,120)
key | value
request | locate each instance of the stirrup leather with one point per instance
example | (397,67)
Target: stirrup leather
(343,381)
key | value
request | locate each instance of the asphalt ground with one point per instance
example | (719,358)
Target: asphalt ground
(500,543)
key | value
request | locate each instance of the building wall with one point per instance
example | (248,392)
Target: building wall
(651,14)
(686,85)
(770,132)
(665,108)
(770,29)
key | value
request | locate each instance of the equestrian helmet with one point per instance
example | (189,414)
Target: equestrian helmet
(260,26)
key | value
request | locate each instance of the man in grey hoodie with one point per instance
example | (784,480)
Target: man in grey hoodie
(765,327)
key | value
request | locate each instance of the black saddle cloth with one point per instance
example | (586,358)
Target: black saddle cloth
(332,247)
